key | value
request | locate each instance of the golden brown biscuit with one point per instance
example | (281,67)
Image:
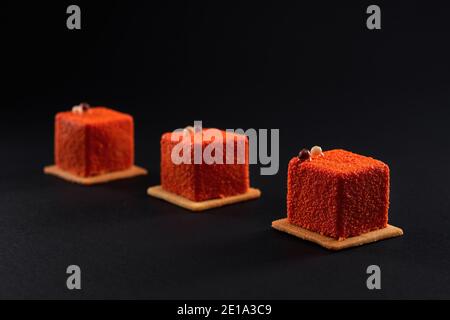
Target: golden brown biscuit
(334,244)
(159,192)
(103,178)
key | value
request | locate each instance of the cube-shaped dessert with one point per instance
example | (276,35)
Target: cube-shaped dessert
(94,141)
(338,194)
(205,181)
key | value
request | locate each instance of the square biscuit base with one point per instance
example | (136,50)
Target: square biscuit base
(160,193)
(103,178)
(334,244)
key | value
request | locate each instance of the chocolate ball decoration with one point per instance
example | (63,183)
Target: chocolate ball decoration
(316,151)
(81,108)
(304,155)
(85,106)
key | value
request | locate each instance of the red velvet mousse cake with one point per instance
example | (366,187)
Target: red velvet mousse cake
(198,184)
(94,145)
(337,198)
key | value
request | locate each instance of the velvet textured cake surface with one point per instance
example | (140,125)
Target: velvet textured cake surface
(200,182)
(340,194)
(95,142)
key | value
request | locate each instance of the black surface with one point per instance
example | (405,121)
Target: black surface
(314,72)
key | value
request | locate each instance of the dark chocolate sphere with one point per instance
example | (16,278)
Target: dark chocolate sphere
(304,155)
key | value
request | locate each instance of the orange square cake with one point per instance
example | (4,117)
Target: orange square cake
(203,181)
(94,141)
(338,194)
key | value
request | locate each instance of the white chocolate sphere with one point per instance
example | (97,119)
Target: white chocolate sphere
(316,151)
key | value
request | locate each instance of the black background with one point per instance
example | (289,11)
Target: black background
(313,71)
